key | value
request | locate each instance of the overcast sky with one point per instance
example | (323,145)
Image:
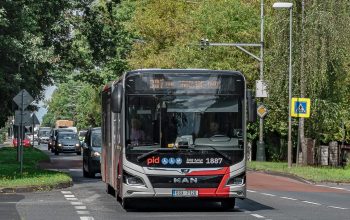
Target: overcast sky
(42,111)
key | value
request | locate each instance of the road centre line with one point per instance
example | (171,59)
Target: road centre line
(336,207)
(257,216)
(283,197)
(252,191)
(313,203)
(267,194)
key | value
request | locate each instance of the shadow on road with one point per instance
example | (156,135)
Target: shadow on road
(192,205)
(8,206)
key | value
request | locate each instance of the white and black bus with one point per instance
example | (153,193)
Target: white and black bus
(175,133)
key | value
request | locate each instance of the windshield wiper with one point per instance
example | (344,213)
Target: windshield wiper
(143,156)
(225,156)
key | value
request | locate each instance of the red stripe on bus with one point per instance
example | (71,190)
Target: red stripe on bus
(208,172)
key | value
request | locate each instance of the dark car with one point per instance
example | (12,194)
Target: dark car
(67,142)
(52,140)
(92,152)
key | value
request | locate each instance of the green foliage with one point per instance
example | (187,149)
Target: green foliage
(75,101)
(27,50)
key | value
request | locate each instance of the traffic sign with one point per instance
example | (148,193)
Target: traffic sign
(261,111)
(24,96)
(25,119)
(261,89)
(300,107)
(34,120)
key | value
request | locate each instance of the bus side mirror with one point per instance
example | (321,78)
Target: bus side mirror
(251,106)
(116,99)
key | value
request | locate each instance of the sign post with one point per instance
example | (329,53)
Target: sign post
(23,100)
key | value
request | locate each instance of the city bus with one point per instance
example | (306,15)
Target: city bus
(175,133)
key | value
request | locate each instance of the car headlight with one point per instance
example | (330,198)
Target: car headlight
(60,145)
(237,180)
(95,154)
(77,145)
(132,180)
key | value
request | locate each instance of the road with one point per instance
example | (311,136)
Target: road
(269,197)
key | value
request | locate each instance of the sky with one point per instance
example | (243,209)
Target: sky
(42,110)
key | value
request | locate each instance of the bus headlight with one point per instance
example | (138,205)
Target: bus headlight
(237,180)
(60,145)
(132,180)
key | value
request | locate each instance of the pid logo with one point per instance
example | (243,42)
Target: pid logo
(153,160)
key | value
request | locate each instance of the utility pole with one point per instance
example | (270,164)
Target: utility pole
(205,42)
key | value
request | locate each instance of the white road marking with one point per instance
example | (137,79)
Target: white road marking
(252,191)
(83,212)
(333,187)
(80,207)
(76,203)
(336,207)
(288,198)
(69,196)
(74,169)
(71,199)
(86,218)
(257,216)
(314,203)
(66,192)
(267,194)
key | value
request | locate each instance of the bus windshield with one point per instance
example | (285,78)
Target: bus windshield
(184,120)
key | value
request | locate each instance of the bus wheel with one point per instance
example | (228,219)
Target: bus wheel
(228,204)
(110,190)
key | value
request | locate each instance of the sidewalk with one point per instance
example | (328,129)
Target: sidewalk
(7,143)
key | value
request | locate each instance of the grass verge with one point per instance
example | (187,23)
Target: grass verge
(10,176)
(315,174)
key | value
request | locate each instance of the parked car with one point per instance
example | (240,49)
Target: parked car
(52,139)
(67,142)
(25,142)
(92,152)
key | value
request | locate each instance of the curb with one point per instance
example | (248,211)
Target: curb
(288,175)
(35,188)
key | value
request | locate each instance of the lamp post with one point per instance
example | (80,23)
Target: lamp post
(289,6)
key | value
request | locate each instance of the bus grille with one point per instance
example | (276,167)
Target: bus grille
(185,181)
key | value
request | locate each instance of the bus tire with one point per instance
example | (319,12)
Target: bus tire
(228,204)
(110,190)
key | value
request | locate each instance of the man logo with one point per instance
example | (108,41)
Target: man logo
(185,180)
(185,170)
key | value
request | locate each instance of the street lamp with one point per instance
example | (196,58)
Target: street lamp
(289,6)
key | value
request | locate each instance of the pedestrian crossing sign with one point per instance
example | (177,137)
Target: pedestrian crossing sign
(300,107)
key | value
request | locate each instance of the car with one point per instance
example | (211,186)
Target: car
(25,142)
(52,139)
(81,135)
(92,152)
(44,135)
(67,142)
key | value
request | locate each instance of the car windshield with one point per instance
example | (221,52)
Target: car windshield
(68,136)
(167,121)
(96,139)
(44,133)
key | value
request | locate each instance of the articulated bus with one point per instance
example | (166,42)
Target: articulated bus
(175,133)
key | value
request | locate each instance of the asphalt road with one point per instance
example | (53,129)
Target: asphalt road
(269,197)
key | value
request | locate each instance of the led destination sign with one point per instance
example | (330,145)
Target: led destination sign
(177,83)
(184,84)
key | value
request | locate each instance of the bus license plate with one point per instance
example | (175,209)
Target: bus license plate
(185,193)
